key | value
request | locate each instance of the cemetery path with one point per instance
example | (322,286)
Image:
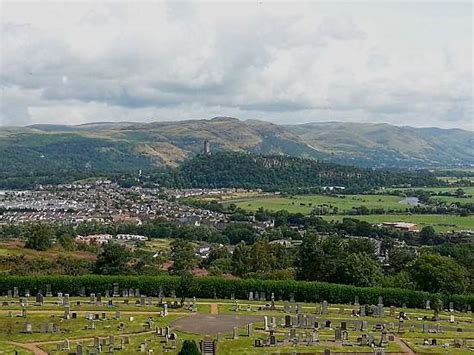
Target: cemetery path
(34,346)
(30,347)
(405,348)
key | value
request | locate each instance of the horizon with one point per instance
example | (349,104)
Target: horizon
(398,63)
(469,129)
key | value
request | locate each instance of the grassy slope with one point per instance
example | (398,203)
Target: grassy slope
(170,142)
(389,145)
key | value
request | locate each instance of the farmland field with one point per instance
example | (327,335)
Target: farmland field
(305,203)
(468,189)
(441,223)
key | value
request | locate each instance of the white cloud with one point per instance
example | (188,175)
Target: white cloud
(282,62)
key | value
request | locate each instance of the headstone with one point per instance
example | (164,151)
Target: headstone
(250,329)
(428,304)
(324,307)
(16,294)
(79,349)
(287,321)
(48,291)
(250,296)
(116,290)
(235,333)
(39,299)
(401,326)
(93,299)
(286,307)
(451,306)
(265,323)
(28,328)
(380,310)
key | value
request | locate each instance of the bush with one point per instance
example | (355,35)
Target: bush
(204,287)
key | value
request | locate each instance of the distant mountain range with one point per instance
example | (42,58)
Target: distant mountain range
(124,146)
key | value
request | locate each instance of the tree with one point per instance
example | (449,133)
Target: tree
(67,242)
(427,235)
(400,258)
(240,232)
(38,237)
(113,260)
(189,348)
(435,273)
(241,259)
(183,256)
(359,269)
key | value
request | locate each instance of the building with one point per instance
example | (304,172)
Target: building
(207,147)
(403,226)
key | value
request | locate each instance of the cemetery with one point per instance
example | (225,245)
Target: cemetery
(126,321)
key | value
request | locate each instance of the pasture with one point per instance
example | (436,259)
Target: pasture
(305,203)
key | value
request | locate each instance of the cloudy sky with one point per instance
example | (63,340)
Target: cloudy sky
(285,62)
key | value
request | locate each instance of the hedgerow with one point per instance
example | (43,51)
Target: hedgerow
(210,287)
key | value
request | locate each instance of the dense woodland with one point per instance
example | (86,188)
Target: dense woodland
(224,169)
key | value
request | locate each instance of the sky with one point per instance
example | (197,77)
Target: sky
(403,63)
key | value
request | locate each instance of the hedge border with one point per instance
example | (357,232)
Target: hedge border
(210,287)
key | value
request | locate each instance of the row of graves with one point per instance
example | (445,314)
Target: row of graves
(303,329)
(109,318)
(162,337)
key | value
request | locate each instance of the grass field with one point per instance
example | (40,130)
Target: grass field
(468,190)
(305,203)
(441,223)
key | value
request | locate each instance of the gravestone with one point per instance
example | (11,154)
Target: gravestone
(287,321)
(286,307)
(356,300)
(324,307)
(28,328)
(92,298)
(250,329)
(427,304)
(235,333)
(251,296)
(48,291)
(401,326)
(265,323)
(39,299)
(116,290)
(380,310)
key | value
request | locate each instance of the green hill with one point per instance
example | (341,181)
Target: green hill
(383,145)
(105,147)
